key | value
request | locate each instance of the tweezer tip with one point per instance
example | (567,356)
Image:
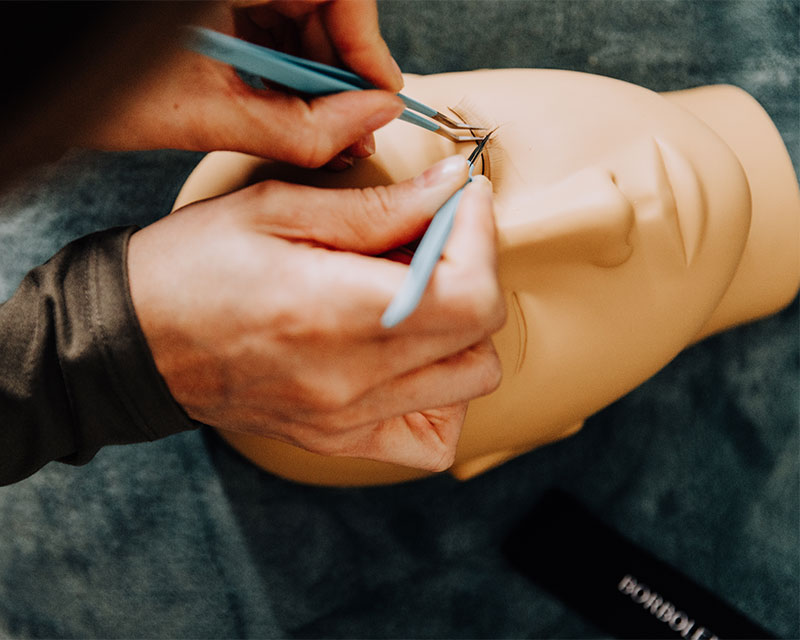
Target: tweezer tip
(456,138)
(454,124)
(479,148)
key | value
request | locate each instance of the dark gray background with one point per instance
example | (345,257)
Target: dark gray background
(181,538)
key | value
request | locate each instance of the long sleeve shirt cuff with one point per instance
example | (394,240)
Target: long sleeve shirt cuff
(76,373)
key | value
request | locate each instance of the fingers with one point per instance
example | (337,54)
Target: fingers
(369,221)
(362,148)
(310,134)
(289,333)
(473,237)
(331,31)
(352,26)
(422,439)
(468,374)
(464,304)
(395,422)
(464,287)
(332,130)
(468,271)
(316,42)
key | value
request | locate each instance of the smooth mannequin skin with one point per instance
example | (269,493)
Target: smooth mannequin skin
(622,221)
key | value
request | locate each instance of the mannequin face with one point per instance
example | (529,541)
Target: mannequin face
(621,220)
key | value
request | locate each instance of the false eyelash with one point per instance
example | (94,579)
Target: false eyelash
(492,158)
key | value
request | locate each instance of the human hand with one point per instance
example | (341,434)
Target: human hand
(193,102)
(336,32)
(262,311)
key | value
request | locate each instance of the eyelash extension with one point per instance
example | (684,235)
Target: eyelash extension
(492,157)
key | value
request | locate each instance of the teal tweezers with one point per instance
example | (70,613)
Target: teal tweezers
(427,253)
(317,79)
(313,78)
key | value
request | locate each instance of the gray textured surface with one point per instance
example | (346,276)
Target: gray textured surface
(181,538)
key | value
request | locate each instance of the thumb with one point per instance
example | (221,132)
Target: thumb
(354,31)
(309,134)
(372,220)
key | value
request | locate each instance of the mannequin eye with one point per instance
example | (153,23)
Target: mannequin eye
(466,112)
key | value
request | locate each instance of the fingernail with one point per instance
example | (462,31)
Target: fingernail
(397,73)
(369,146)
(483,181)
(441,171)
(340,162)
(362,148)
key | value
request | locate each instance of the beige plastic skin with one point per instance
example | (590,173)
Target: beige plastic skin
(625,230)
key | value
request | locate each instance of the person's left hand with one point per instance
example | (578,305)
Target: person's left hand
(196,103)
(262,311)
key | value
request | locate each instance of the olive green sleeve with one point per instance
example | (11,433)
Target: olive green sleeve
(75,370)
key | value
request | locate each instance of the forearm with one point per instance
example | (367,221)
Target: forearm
(75,371)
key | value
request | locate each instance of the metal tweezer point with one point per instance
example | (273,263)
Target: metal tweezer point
(427,254)
(311,77)
(430,125)
(477,151)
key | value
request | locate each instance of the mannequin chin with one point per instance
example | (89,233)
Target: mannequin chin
(630,225)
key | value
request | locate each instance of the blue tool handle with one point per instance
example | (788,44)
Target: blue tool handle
(412,104)
(415,118)
(422,264)
(319,79)
(358,82)
(260,61)
(335,72)
(290,71)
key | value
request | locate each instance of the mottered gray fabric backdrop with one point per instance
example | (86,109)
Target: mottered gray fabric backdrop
(182,538)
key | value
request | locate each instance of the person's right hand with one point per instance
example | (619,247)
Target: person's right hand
(197,103)
(262,311)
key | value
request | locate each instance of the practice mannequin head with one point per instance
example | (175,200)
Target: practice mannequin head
(624,222)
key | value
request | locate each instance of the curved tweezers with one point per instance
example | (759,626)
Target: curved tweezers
(307,76)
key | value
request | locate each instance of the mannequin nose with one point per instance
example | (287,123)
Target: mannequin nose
(583,218)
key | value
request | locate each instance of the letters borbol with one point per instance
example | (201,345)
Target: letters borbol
(663,610)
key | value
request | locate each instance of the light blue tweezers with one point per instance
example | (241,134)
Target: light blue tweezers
(315,78)
(422,264)
(307,76)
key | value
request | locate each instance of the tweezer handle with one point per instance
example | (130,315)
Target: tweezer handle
(261,61)
(290,71)
(319,79)
(422,264)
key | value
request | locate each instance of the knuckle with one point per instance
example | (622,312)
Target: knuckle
(376,202)
(443,461)
(266,189)
(497,314)
(491,375)
(372,209)
(330,395)
(494,379)
(312,149)
(327,447)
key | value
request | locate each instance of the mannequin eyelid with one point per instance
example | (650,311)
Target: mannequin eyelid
(493,157)
(492,149)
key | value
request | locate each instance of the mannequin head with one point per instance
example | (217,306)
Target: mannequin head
(624,223)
